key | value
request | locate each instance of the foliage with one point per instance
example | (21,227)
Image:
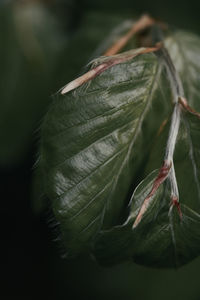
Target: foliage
(117,147)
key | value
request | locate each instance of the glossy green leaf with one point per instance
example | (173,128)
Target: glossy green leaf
(163,238)
(96,32)
(96,139)
(104,140)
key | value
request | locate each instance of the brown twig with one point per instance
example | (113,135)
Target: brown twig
(144,22)
(107,64)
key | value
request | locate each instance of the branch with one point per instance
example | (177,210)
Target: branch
(167,171)
(107,62)
(144,22)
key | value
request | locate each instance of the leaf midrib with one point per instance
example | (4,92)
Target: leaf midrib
(137,129)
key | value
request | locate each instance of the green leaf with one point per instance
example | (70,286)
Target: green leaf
(184,48)
(91,32)
(95,140)
(163,238)
(104,141)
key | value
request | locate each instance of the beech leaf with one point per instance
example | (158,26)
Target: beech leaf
(120,153)
(91,139)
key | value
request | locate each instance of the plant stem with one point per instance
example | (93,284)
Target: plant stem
(144,22)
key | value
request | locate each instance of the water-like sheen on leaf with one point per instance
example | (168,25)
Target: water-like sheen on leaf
(95,141)
(121,156)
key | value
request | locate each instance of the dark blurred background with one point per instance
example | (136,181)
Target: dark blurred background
(43,45)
